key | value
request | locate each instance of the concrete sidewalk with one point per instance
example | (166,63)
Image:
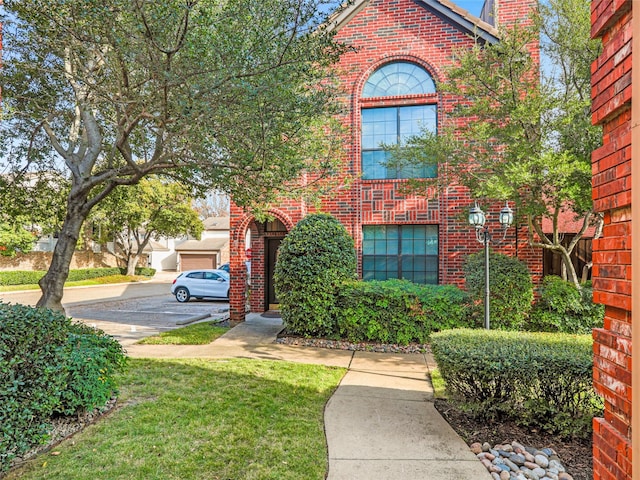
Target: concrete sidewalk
(380,423)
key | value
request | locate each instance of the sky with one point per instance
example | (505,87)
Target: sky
(473,6)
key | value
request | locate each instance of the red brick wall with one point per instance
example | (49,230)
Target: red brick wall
(611,92)
(401,30)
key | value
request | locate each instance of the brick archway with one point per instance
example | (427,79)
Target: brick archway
(249,292)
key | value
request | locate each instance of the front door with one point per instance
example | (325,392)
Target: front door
(271,255)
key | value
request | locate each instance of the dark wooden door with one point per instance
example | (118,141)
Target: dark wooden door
(271,255)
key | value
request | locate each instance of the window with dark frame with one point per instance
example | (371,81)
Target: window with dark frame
(393,125)
(407,252)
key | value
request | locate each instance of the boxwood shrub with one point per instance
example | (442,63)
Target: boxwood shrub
(315,257)
(48,365)
(563,308)
(536,379)
(398,311)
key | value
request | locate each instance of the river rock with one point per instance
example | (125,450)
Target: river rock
(542,460)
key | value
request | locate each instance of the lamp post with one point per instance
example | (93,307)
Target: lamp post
(477,219)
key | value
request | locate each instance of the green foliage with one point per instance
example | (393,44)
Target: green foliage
(136,214)
(141,271)
(14,238)
(510,287)
(398,311)
(563,308)
(49,365)
(92,358)
(537,379)
(31,277)
(32,376)
(314,259)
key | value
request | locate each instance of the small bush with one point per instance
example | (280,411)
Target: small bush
(315,257)
(32,376)
(563,308)
(510,287)
(93,358)
(398,311)
(540,379)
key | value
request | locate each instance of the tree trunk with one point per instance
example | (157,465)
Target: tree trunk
(52,284)
(132,263)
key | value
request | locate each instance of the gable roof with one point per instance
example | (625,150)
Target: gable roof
(444,9)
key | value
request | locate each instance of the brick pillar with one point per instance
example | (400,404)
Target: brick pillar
(612,163)
(237,269)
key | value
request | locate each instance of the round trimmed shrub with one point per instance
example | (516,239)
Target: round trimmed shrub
(510,287)
(314,259)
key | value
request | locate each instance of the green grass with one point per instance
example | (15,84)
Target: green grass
(79,283)
(438,384)
(196,334)
(203,419)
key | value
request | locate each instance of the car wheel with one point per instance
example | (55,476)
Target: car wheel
(182,294)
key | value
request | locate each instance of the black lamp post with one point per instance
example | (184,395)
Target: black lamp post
(477,219)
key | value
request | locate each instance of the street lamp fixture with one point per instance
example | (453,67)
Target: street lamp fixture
(477,219)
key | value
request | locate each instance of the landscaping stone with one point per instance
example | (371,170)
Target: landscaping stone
(517,462)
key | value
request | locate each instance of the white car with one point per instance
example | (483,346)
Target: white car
(201,283)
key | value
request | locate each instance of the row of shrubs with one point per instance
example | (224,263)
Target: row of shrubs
(319,295)
(49,366)
(32,277)
(535,379)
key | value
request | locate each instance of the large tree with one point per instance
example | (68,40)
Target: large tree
(134,215)
(231,95)
(522,128)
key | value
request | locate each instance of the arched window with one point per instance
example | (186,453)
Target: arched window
(392,125)
(398,78)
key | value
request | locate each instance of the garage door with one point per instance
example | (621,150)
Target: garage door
(197,260)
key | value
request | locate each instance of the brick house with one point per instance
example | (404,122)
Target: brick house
(616,183)
(391,78)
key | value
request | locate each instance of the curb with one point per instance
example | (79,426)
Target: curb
(187,321)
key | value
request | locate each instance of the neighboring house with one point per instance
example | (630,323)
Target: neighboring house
(401,48)
(210,251)
(180,254)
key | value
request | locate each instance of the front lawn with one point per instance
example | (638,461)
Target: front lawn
(201,333)
(203,419)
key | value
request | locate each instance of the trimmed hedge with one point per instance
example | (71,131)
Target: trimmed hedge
(32,376)
(510,286)
(48,365)
(563,308)
(315,257)
(32,277)
(536,379)
(398,311)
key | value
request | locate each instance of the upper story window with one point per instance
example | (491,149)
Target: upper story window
(398,78)
(392,125)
